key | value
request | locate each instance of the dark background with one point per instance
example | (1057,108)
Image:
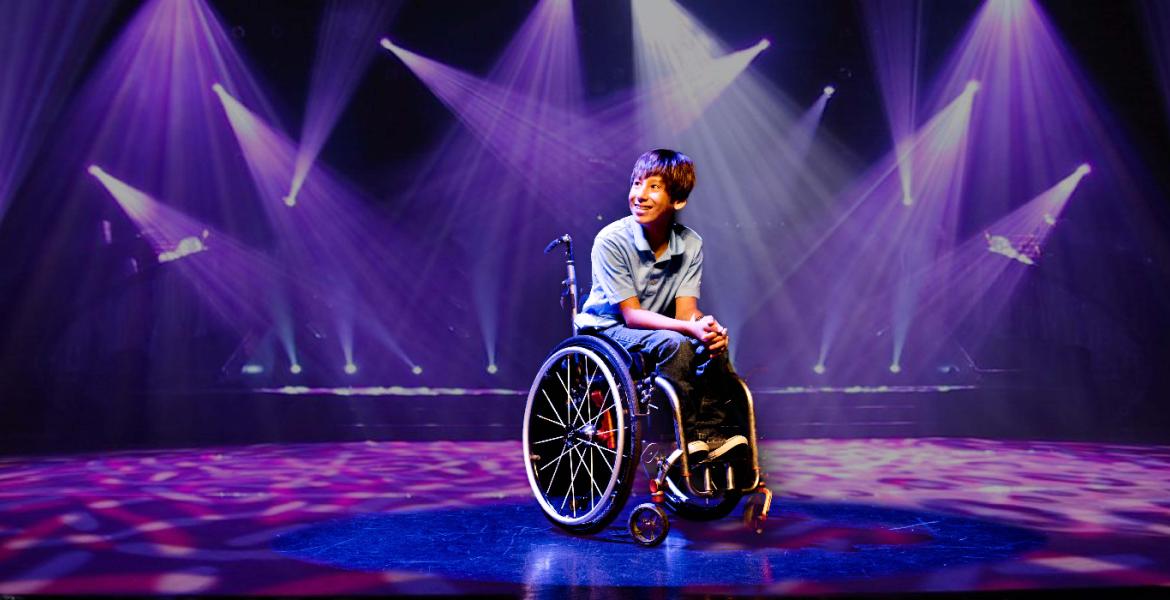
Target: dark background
(393,122)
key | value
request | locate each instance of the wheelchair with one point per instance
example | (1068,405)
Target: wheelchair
(595,411)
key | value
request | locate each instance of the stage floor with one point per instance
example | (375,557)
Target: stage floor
(873,515)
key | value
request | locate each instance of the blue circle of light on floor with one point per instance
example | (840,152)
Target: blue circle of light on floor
(514,543)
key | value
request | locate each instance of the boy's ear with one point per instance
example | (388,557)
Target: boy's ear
(679,204)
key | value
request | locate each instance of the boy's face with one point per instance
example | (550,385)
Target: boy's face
(650,203)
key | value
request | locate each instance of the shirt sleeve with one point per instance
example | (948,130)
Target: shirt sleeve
(692,275)
(611,271)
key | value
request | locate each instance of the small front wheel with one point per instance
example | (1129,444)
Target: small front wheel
(649,524)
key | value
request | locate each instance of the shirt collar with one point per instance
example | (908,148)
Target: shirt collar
(674,245)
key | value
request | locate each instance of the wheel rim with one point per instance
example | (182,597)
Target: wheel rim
(575,436)
(647,525)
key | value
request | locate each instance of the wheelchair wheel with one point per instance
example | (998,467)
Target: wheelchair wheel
(694,508)
(580,439)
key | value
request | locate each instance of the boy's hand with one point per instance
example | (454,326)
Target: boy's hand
(711,333)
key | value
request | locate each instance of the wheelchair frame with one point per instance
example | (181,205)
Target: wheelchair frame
(600,434)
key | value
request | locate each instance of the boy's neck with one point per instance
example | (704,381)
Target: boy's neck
(658,236)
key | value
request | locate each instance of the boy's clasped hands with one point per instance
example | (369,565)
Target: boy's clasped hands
(713,335)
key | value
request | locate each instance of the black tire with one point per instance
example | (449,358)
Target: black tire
(581,441)
(649,524)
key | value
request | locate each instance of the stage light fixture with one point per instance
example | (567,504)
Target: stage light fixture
(1084,169)
(830,90)
(95,170)
(417,370)
(972,87)
(819,369)
(387,44)
(290,200)
(493,369)
(251,369)
(763,44)
(295,369)
(895,368)
(350,368)
(907,200)
(1049,219)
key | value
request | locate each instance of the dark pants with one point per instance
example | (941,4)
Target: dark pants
(706,386)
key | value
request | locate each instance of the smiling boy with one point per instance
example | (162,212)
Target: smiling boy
(647,270)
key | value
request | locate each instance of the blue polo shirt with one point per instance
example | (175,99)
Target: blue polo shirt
(624,266)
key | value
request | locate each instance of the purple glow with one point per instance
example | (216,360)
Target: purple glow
(295,369)
(350,368)
(829,90)
(343,54)
(894,35)
(37,63)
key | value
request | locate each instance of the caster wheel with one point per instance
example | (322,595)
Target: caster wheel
(649,524)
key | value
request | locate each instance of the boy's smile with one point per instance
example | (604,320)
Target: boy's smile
(651,204)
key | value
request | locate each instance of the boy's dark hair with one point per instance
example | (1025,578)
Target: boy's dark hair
(675,168)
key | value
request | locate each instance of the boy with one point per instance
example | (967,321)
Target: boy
(647,268)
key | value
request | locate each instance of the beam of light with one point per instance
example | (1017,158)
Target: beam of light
(331,239)
(43,67)
(350,368)
(541,62)
(1157,36)
(499,117)
(877,239)
(1035,114)
(295,369)
(894,29)
(681,65)
(526,112)
(805,129)
(228,279)
(982,272)
(344,51)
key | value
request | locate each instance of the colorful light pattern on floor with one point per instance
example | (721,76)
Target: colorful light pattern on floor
(213,521)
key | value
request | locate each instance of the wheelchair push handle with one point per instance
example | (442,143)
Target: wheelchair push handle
(564,239)
(569,289)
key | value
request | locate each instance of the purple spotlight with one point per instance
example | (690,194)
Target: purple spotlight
(763,44)
(350,368)
(252,369)
(295,369)
(830,90)
(417,370)
(895,368)
(290,200)
(1084,169)
(387,44)
(819,368)
(218,89)
(907,200)
(492,369)
(972,87)
(95,170)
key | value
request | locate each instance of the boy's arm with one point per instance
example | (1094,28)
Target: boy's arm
(637,317)
(686,308)
(704,329)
